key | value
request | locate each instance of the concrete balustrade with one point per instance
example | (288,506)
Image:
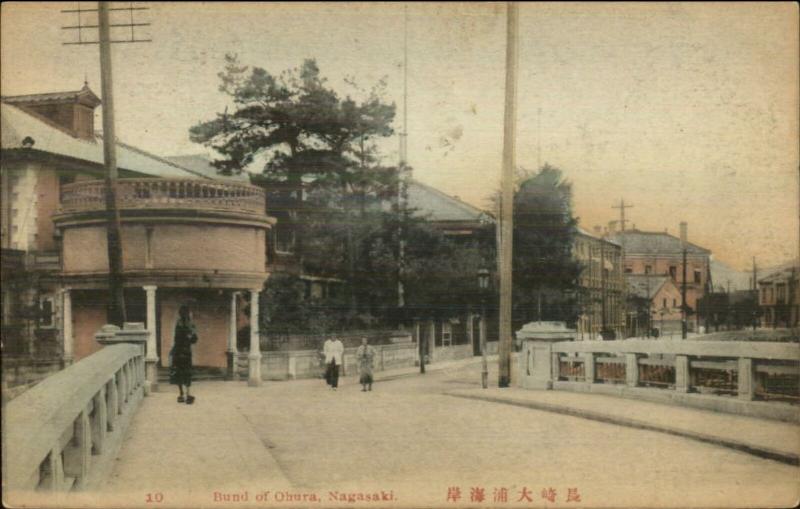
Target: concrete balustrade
(64,433)
(729,376)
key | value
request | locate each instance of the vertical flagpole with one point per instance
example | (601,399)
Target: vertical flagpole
(506,213)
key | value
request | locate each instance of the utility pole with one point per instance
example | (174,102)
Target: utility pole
(603,310)
(755,292)
(507,225)
(401,183)
(622,220)
(116,310)
(622,208)
(116,282)
(684,325)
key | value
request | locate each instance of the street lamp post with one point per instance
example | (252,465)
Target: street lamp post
(483,285)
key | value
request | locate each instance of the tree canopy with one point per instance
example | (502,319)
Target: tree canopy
(297,130)
(545,272)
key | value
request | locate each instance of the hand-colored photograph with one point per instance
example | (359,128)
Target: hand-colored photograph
(400,255)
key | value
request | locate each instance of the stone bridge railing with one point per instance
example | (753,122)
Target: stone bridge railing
(761,379)
(64,434)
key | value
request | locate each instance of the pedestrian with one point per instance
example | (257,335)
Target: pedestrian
(180,369)
(334,349)
(365,356)
(327,353)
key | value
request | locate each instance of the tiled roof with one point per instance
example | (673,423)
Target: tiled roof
(438,206)
(16,125)
(587,233)
(782,274)
(639,242)
(75,95)
(200,163)
(644,285)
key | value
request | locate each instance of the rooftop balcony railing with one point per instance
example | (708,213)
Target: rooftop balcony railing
(132,194)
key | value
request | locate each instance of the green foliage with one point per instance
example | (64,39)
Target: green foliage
(298,126)
(545,272)
(304,133)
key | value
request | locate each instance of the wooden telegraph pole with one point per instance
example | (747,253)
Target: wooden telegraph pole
(507,203)
(116,283)
(115,278)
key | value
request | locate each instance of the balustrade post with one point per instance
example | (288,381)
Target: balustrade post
(112,405)
(122,390)
(77,456)
(682,382)
(746,379)
(100,423)
(555,370)
(589,367)
(631,370)
(54,477)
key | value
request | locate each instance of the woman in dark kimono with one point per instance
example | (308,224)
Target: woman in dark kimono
(180,372)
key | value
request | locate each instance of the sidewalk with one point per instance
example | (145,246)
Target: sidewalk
(774,440)
(397,373)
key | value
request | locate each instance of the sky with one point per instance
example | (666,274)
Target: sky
(687,111)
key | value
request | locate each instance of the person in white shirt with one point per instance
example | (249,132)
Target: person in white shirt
(333,349)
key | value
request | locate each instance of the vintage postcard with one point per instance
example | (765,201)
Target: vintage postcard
(400,255)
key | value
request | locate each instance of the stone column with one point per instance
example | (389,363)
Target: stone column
(232,353)
(631,369)
(541,363)
(67,326)
(254,358)
(682,382)
(589,367)
(151,358)
(746,377)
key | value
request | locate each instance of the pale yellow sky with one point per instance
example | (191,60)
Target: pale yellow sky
(689,111)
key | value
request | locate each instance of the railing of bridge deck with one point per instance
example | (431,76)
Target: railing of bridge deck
(62,434)
(749,370)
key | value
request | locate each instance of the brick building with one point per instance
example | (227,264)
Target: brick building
(654,303)
(661,254)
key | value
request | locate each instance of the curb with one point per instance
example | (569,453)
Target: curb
(429,368)
(754,450)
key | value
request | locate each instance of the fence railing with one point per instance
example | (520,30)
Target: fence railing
(63,434)
(165,194)
(749,370)
(742,376)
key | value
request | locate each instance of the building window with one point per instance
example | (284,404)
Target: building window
(664,303)
(648,269)
(673,272)
(698,276)
(47,311)
(781,293)
(674,303)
